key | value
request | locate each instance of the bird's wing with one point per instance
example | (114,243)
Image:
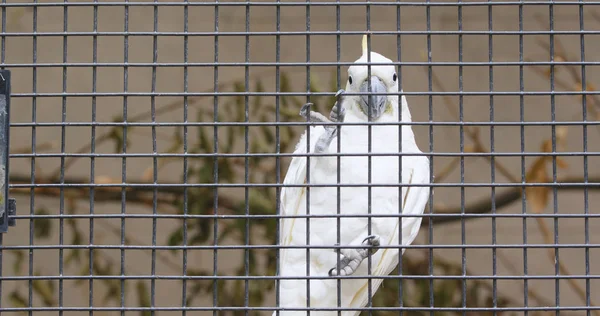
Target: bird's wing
(414,201)
(291,197)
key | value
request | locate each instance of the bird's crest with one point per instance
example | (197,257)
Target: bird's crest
(365,47)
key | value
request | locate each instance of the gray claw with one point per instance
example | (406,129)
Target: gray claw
(304,110)
(333,115)
(312,116)
(373,242)
(331,130)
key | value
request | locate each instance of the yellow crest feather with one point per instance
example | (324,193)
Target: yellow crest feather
(365,47)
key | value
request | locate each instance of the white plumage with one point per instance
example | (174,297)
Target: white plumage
(353,200)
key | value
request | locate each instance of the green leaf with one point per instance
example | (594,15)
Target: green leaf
(195,291)
(268,133)
(204,144)
(19,261)
(17,300)
(143,297)
(258,100)
(238,86)
(42,227)
(176,238)
(225,171)
(202,231)
(45,290)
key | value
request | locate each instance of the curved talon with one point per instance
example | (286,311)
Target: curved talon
(373,242)
(305,110)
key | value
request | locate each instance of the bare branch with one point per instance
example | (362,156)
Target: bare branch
(169,195)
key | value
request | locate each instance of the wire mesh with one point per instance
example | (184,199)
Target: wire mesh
(152,144)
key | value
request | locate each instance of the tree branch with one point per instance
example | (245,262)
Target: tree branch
(168,195)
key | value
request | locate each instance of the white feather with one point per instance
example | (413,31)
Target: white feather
(323,231)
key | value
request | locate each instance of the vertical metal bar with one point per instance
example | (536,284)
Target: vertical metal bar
(63,144)
(247,162)
(124,149)
(400,125)
(3,38)
(92,159)
(154,161)
(216,161)
(492,159)
(430,97)
(277,149)
(523,168)
(586,223)
(461,130)
(338,210)
(2,58)
(308,179)
(553,128)
(185,158)
(369,160)
(33,148)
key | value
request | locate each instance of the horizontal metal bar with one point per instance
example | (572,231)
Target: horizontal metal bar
(285,94)
(298,123)
(266,216)
(280,155)
(267,247)
(301,4)
(296,33)
(271,309)
(260,277)
(310,185)
(304,64)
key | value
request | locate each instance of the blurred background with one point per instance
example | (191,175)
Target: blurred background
(89,242)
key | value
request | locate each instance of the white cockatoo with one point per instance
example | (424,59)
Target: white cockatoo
(322,263)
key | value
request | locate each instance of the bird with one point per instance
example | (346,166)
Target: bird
(309,276)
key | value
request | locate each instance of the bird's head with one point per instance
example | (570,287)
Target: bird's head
(383,80)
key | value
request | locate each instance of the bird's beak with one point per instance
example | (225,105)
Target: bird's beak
(373,105)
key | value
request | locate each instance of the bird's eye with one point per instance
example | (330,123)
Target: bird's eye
(350,79)
(395,77)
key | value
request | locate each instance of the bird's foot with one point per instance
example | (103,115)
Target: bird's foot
(312,116)
(352,258)
(336,115)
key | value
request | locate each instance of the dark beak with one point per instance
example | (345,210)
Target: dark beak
(373,105)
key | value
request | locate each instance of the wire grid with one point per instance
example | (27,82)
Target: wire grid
(152,237)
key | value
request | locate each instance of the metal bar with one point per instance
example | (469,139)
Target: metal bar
(93,161)
(315,4)
(184,267)
(154,162)
(310,278)
(585,164)
(63,144)
(215,287)
(124,151)
(227,247)
(247,163)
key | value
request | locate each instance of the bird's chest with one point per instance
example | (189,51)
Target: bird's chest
(359,173)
